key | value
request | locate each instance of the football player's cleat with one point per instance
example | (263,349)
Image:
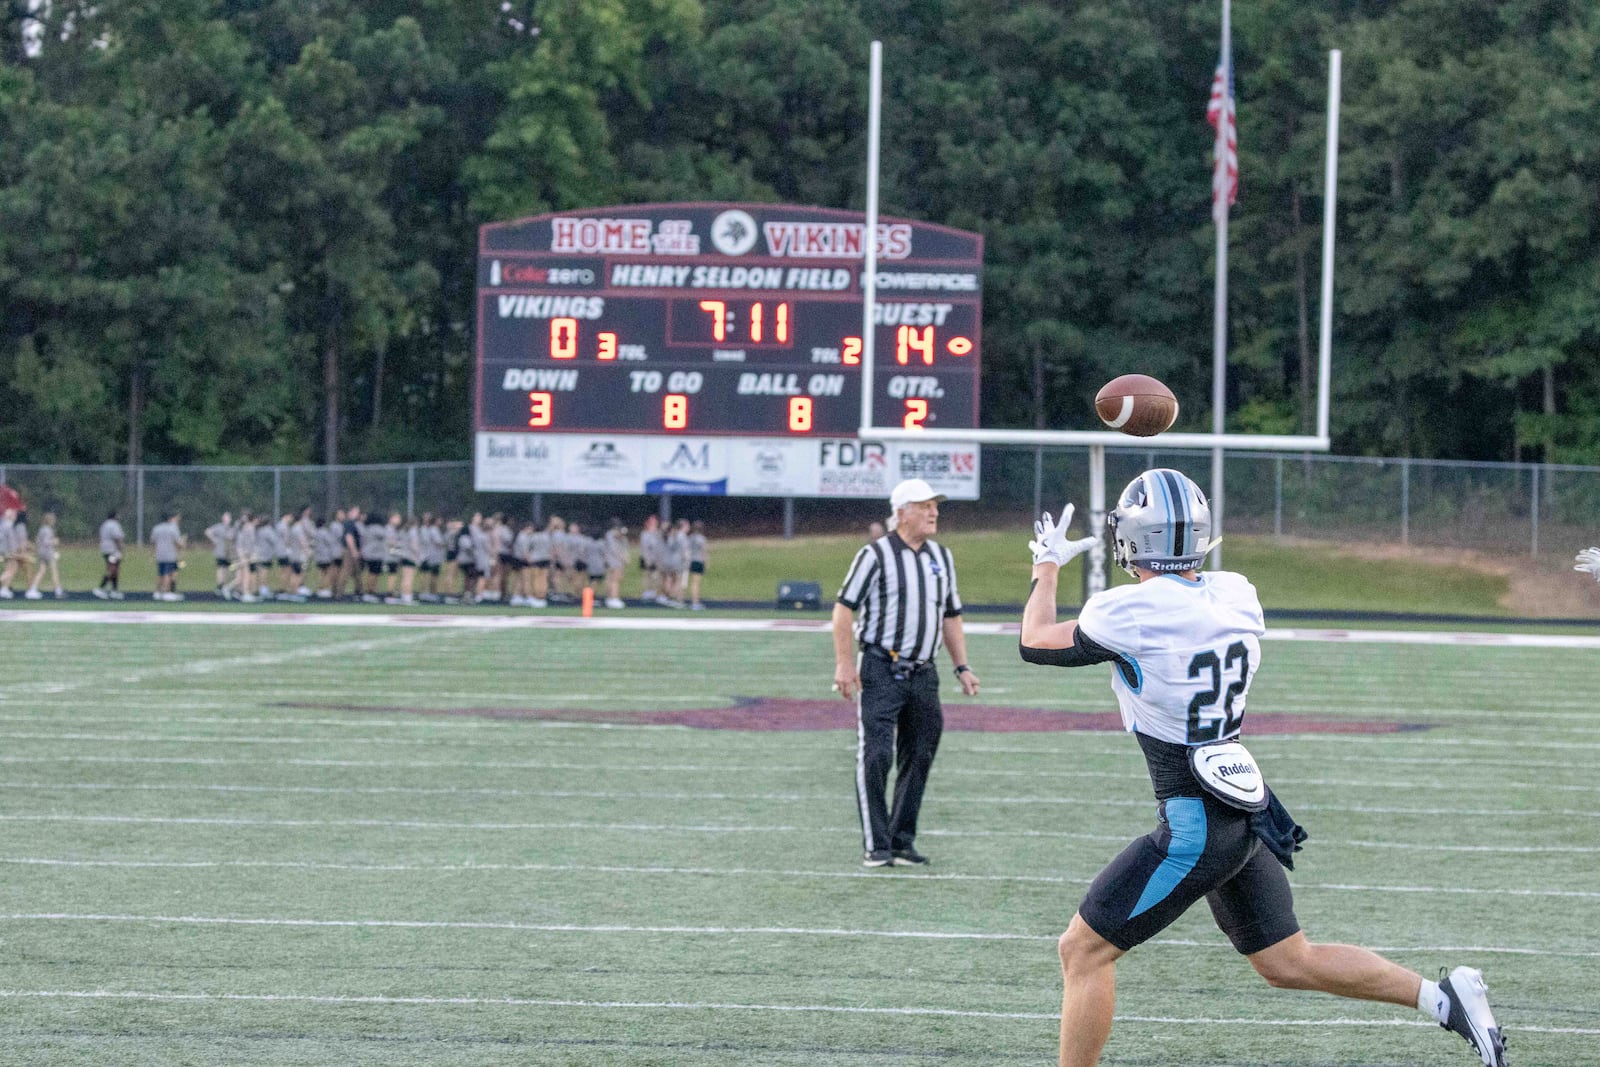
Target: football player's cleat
(1470,1015)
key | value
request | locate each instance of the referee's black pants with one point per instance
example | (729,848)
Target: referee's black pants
(900,721)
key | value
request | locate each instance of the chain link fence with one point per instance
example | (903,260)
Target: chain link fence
(1518,507)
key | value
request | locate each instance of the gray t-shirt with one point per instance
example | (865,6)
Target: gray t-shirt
(651,544)
(220,534)
(47,544)
(244,544)
(432,545)
(7,530)
(616,550)
(375,542)
(267,547)
(697,548)
(166,539)
(111,537)
(301,535)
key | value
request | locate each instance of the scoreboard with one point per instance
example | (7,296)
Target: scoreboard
(738,323)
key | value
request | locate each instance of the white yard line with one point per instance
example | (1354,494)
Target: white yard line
(199,667)
(697,828)
(684,1005)
(613,767)
(687,931)
(717,872)
(1080,802)
(612,622)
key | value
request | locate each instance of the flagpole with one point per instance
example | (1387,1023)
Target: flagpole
(1219,319)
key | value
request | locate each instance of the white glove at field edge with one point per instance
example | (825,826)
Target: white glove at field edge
(1050,543)
(1589,562)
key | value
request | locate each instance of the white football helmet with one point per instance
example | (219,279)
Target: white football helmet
(1162,523)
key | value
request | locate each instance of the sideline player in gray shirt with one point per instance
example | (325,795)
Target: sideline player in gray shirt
(220,534)
(168,542)
(651,546)
(12,545)
(111,540)
(48,556)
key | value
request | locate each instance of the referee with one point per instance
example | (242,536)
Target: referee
(903,585)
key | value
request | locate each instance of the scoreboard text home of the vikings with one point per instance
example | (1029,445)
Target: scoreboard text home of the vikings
(716,348)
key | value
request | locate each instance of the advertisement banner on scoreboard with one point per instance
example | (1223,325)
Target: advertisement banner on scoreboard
(518,463)
(950,469)
(603,465)
(853,468)
(686,466)
(632,464)
(771,467)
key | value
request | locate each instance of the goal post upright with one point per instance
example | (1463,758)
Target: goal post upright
(1097,441)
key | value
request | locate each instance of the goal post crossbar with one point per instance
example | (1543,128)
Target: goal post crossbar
(1105,438)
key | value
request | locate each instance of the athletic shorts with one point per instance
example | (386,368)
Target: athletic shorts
(390,566)
(1202,848)
(374,566)
(449,557)
(540,564)
(297,566)
(222,562)
(164,569)
(697,568)
(111,558)
(283,561)
(468,571)
(324,564)
(581,568)
(429,568)
(646,566)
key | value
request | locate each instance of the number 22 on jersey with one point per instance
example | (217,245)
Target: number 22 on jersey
(1207,722)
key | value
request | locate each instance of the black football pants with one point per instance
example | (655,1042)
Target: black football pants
(899,722)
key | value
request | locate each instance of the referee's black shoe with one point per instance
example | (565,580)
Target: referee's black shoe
(879,858)
(909,857)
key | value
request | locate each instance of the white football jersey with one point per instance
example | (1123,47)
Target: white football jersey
(1186,652)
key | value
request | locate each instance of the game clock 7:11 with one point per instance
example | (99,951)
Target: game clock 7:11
(724,364)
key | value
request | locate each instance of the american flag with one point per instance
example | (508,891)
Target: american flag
(1225,157)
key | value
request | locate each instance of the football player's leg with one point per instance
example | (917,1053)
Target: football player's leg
(1255,909)
(1088,993)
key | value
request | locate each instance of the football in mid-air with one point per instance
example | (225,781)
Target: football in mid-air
(1136,404)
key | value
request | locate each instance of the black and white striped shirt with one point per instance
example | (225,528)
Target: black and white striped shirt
(902,597)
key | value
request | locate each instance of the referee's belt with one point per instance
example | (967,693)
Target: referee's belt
(894,659)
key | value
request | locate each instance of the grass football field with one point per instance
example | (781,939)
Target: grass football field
(299,844)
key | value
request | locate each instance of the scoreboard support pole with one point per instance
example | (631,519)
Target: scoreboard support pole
(788,518)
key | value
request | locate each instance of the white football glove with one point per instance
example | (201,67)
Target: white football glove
(1050,543)
(1589,562)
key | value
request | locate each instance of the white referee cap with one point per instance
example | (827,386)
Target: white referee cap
(913,491)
